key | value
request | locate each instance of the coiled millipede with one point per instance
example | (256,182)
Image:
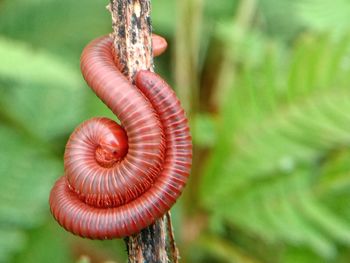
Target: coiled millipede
(120,179)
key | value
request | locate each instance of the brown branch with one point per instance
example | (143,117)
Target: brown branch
(132,29)
(133,47)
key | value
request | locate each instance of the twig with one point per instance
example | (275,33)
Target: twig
(132,29)
(133,46)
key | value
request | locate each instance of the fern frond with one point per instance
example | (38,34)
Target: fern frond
(261,176)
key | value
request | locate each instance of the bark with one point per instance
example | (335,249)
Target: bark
(132,30)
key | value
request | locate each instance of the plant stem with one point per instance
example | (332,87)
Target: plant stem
(132,35)
(133,47)
(188,30)
(227,69)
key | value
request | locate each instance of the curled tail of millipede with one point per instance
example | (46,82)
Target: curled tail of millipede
(120,178)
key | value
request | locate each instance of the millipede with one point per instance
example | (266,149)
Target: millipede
(118,179)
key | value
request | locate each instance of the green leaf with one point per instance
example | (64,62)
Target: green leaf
(203,131)
(27,172)
(224,250)
(39,91)
(268,154)
(300,255)
(59,26)
(45,244)
(324,15)
(277,23)
(11,241)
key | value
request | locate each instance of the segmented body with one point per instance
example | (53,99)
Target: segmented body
(120,178)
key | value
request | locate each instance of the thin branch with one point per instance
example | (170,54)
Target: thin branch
(133,47)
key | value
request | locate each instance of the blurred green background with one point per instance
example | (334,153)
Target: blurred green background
(266,86)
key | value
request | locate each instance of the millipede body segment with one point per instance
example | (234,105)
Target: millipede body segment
(120,178)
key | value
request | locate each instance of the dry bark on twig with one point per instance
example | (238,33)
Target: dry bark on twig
(132,32)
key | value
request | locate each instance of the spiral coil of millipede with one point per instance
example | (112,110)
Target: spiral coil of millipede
(120,178)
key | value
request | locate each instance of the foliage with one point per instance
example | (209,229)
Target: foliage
(269,119)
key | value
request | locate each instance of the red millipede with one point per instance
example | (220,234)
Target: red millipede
(120,178)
